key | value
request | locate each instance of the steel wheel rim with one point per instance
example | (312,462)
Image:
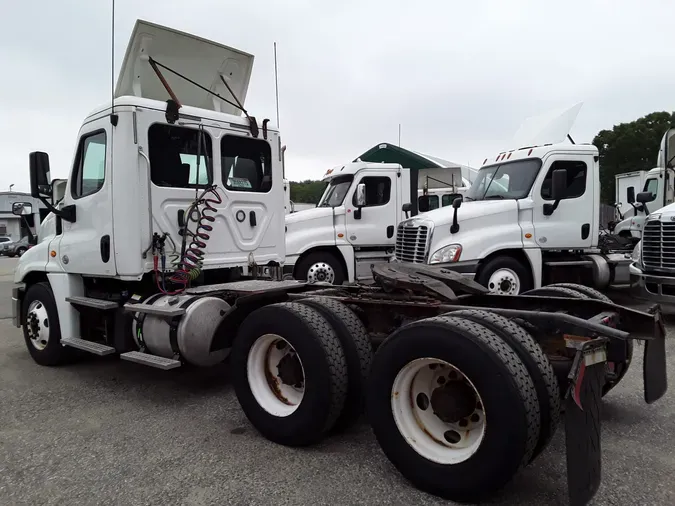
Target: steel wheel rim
(443,442)
(37,323)
(268,376)
(504,282)
(321,272)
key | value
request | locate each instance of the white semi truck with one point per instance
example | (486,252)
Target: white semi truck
(175,206)
(339,240)
(634,179)
(652,273)
(531,218)
(659,183)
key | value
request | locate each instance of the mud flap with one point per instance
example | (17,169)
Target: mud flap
(582,420)
(654,365)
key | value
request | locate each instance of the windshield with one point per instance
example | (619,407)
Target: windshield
(511,180)
(336,191)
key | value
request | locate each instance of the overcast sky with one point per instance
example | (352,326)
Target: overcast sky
(459,76)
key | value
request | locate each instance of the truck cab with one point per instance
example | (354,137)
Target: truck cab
(659,183)
(652,271)
(530,218)
(154,173)
(352,226)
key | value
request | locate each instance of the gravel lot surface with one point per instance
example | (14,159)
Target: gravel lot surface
(109,432)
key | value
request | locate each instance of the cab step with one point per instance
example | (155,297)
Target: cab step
(104,305)
(152,360)
(81,344)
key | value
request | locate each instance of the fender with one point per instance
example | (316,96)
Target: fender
(67,285)
(347,253)
(536,265)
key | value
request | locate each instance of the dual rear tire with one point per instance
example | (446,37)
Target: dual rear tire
(301,369)
(460,402)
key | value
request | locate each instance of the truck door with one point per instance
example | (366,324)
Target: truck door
(86,246)
(376,225)
(249,216)
(574,222)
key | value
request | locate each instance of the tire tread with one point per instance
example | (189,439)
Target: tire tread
(538,365)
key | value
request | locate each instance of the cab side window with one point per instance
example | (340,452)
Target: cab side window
(246,164)
(174,153)
(378,191)
(89,171)
(576,179)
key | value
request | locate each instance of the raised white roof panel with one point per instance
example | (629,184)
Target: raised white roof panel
(552,127)
(200,60)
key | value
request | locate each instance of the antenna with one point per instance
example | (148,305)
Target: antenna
(399,135)
(276,81)
(112,64)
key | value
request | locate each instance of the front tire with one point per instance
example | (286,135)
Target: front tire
(320,266)
(434,386)
(289,373)
(505,275)
(41,327)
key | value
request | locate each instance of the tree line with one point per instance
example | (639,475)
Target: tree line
(626,147)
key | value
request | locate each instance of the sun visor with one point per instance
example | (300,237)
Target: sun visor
(200,60)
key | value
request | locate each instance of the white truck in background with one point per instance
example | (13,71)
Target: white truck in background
(353,225)
(657,181)
(530,218)
(622,182)
(652,273)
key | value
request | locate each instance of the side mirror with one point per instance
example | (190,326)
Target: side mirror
(407,209)
(39,174)
(558,188)
(644,197)
(456,204)
(630,195)
(22,208)
(423,203)
(558,184)
(361,195)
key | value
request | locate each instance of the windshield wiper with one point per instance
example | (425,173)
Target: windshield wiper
(469,198)
(494,197)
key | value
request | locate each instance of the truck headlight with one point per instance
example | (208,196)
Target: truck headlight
(637,253)
(446,254)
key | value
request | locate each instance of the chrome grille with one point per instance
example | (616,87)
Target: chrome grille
(412,241)
(658,245)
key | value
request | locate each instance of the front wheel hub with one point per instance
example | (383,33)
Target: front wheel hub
(37,325)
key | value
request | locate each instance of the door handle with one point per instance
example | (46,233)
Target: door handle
(390,231)
(251,218)
(105,248)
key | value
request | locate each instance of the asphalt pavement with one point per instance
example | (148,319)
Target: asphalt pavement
(108,432)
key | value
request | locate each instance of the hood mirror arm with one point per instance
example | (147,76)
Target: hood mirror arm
(456,204)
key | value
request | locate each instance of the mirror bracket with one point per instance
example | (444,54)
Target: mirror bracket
(550,208)
(456,204)
(65,213)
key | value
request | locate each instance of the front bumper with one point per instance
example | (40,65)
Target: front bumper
(651,287)
(467,268)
